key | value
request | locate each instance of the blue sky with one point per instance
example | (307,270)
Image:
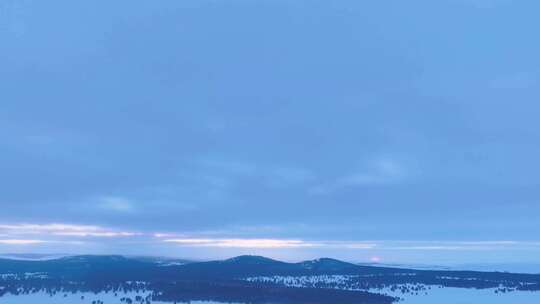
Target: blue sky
(399,131)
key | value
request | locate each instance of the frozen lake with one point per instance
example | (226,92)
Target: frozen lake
(434,296)
(106,298)
(450,295)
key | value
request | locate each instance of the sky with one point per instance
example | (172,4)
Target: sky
(382,131)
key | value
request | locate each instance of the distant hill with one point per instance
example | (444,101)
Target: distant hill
(254,279)
(162,261)
(116,268)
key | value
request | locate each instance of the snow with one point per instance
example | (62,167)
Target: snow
(26,275)
(450,295)
(435,295)
(72,298)
(417,293)
(69,298)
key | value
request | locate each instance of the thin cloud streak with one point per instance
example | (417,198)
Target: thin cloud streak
(241,243)
(359,245)
(57,229)
(267,243)
(21,242)
(376,172)
(462,245)
(15,234)
(116,204)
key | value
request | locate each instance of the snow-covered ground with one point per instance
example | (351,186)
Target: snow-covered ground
(450,295)
(23,276)
(415,293)
(77,298)
(69,298)
(436,295)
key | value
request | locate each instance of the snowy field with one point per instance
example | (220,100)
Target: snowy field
(77,298)
(434,296)
(426,294)
(69,298)
(450,295)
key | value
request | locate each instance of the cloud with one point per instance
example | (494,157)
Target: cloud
(230,167)
(116,203)
(378,171)
(99,233)
(266,243)
(275,175)
(34,234)
(240,243)
(286,176)
(459,245)
(63,230)
(382,245)
(21,242)
(164,235)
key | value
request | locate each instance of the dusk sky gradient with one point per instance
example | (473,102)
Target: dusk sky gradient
(393,131)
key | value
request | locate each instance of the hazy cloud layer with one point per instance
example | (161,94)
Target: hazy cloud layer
(269,120)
